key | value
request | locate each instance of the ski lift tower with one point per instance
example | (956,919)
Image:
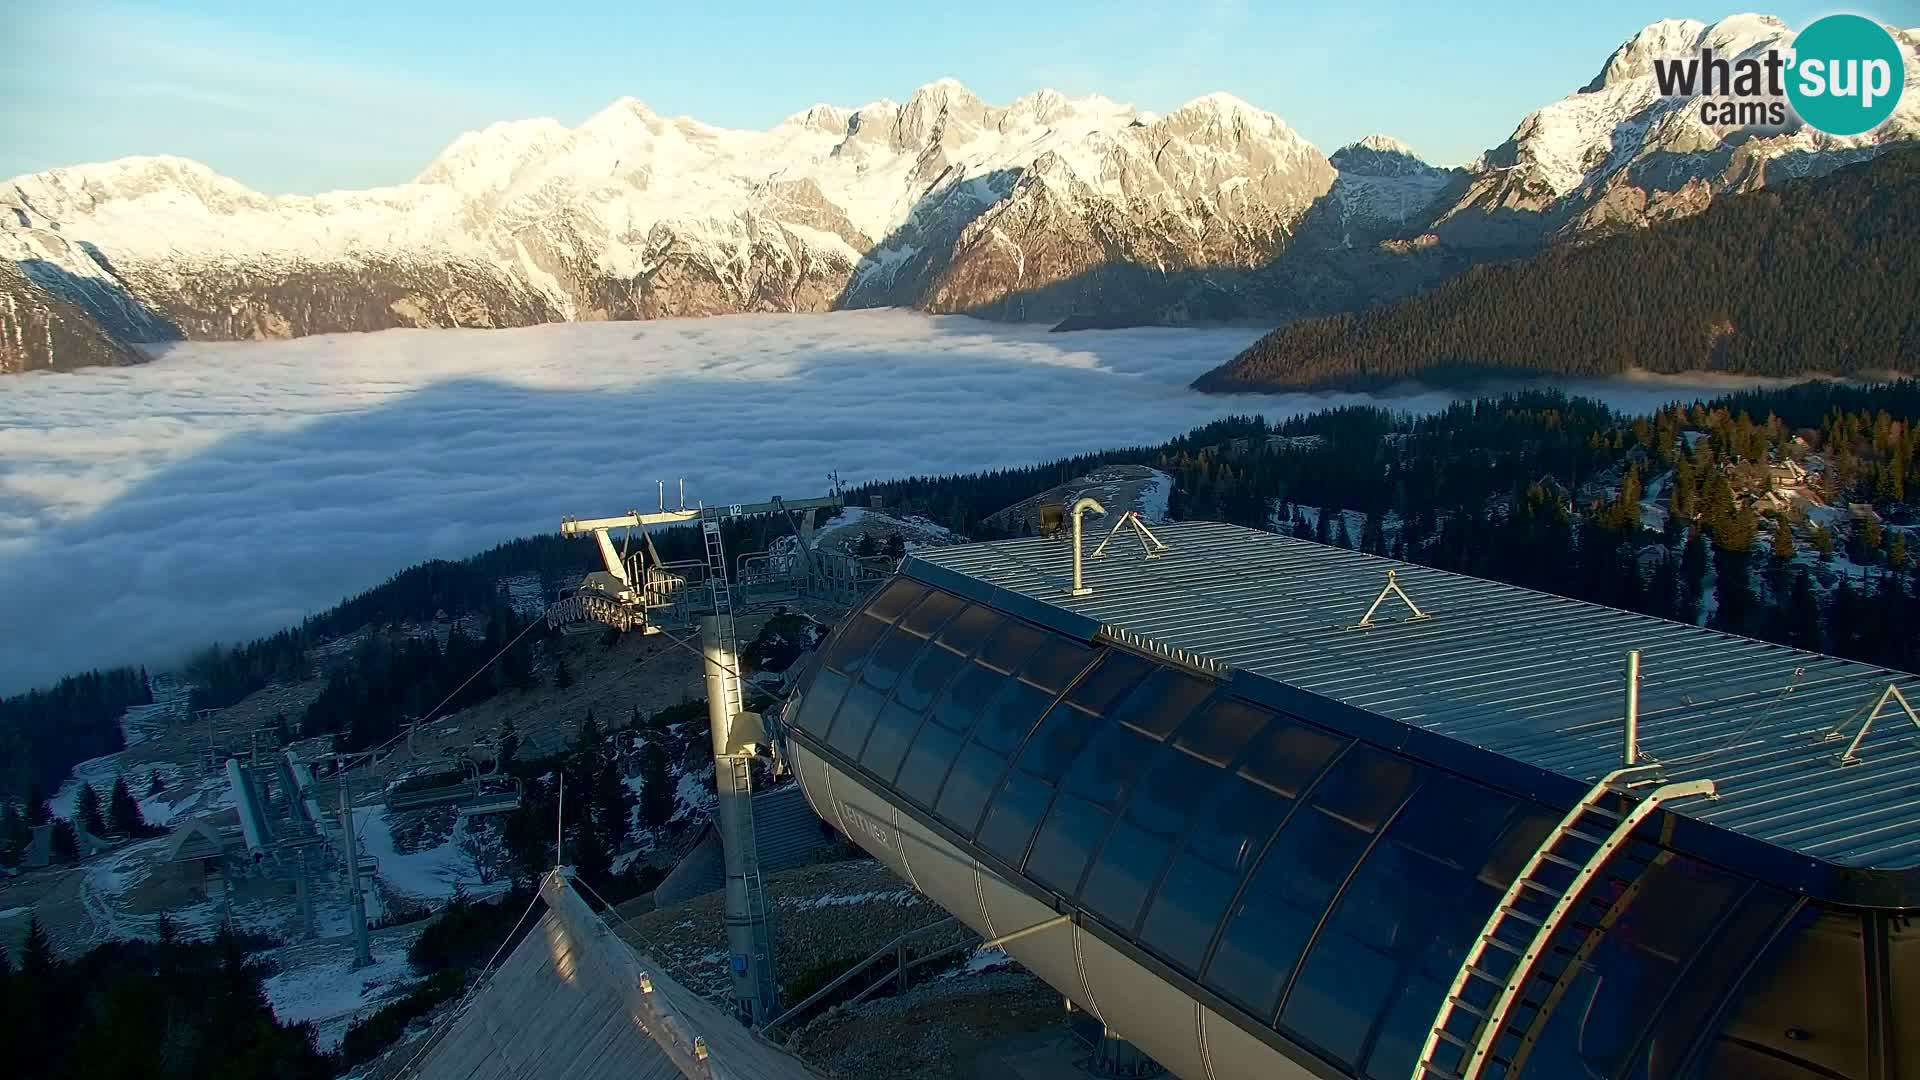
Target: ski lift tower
(635,593)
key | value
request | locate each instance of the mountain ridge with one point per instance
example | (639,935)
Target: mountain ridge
(1047,207)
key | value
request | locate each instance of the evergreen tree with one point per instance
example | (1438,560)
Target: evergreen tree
(1823,542)
(587,853)
(896,547)
(509,744)
(123,814)
(37,959)
(64,844)
(1340,534)
(562,678)
(1680,500)
(656,785)
(1663,592)
(586,741)
(14,835)
(39,810)
(87,811)
(528,835)
(1373,535)
(1693,576)
(866,548)
(1782,540)
(1623,515)
(155,785)
(610,805)
(1803,629)
(1733,588)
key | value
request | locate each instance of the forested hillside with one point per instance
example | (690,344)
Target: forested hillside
(1815,276)
(44,732)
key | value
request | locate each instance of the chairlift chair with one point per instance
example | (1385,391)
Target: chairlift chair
(500,799)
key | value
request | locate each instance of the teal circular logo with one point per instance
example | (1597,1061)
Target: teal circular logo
(1847,74)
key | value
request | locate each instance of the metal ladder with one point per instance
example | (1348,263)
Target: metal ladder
(1582,843)
(723,609)
(755,887)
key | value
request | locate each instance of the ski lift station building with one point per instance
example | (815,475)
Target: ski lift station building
(1263,816)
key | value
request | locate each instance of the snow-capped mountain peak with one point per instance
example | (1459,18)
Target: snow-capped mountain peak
(1634,58)
(1385,144)
(1045,207)
(1380,155)
(1617,152)
(631,213)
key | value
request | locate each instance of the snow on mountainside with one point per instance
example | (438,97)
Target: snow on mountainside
(943,202)
(1383,186)
(1616,153)
(1047,207)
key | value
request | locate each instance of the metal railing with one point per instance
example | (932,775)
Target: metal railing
(895,950)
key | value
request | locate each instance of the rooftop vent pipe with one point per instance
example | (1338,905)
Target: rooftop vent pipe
(1080,507)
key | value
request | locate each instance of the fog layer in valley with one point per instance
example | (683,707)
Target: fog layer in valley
(226,490)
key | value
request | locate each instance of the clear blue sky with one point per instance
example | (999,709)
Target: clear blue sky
(339,93)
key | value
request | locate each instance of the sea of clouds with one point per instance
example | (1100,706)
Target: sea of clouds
(226,490)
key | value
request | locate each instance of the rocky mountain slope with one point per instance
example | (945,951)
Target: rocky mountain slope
(1046,207)
(944,202)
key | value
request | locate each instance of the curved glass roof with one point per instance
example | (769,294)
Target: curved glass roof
(1531,677)
(1320,887)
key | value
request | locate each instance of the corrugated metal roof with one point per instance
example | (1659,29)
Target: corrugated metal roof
(1534,677)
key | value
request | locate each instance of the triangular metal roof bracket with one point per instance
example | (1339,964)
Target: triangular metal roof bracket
(1891,695)
(1392,588)
(1149,543)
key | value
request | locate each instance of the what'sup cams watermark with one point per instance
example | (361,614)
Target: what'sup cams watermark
(1843,76)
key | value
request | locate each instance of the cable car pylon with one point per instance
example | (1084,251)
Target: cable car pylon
(645,593)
